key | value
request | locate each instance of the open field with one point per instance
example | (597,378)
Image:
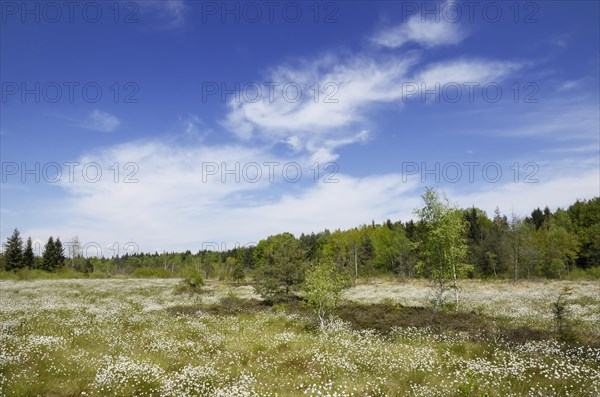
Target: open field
(126,337)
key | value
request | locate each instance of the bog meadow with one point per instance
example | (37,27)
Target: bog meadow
(454,304)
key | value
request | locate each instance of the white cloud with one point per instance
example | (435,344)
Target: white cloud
(361,82)
(522,198)
(175,9)
(593,147)
(465,71)
(427,30)
(428,33)
(191,128)
(324,153)
(170,14)
(353,85)
(173,209)
(560,120)
(559,41)
(569,85)
(101,121)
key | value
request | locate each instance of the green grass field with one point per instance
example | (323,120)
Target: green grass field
(133,337)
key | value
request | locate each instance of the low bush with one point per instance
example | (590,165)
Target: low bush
(150,272)
(98,274)
(7,275)
(192,282)
(193,278)
(593,273)
(65,272)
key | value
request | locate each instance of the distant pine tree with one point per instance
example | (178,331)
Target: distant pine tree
(28,256)
(238,272)
(537,218)
(13,251)
(59,252)
(49,262)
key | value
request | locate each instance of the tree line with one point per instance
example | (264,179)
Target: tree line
(543,244)
(17,255)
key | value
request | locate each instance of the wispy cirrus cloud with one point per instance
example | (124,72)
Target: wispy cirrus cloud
(427,31)
(101,121)
(351,85)
(360,82)
(569,85)
(465,70)
(191,128)
(167,14)
(564,119)
(347,89)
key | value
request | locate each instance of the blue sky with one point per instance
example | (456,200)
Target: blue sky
(496,103)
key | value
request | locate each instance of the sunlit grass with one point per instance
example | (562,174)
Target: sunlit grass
(139,337)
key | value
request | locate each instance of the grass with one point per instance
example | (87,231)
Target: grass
(126,337)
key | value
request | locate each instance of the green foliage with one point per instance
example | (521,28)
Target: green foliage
(323,288)
(193,278)
(48,256)
(238,272)
(67,273)
(585,219)
(443,247)
(560,310)
(8,275)
(83,265)
(53,256)
(393,251)
(148,272)
(98,274)
(280,263)
(554,268)
(28,256)
(38,274)
(561,244)
(35,274)
(592,273)
(13,251)
(471,388)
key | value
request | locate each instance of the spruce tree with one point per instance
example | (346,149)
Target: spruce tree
(49,256)
(238,272)
(59,252)
(13,251)
(28,257)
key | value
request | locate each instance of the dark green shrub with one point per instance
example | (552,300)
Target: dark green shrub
(193,278)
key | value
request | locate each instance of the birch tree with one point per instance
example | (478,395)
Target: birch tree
(443,246)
